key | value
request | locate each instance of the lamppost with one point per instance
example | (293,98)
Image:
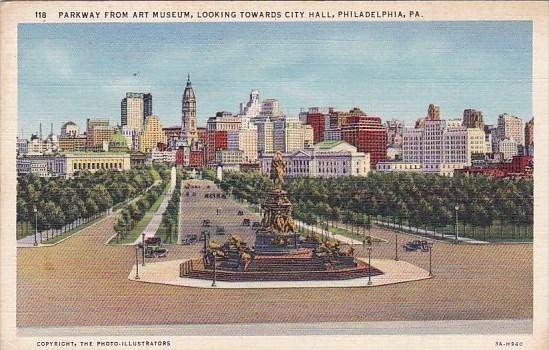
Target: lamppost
(136,262)
(214,268)
(396,245)
(36,226)
(327,231)
(143,246)
(369,264)
(456,226)
(430,245)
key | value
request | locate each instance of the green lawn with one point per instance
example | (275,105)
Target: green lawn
(350,234)
(161,232)
(498,231)
(140,226)
(71,232)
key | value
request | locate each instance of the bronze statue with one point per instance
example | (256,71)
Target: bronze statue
(277,170)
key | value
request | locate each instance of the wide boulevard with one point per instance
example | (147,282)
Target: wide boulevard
(84,282)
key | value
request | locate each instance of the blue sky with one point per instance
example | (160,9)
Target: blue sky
(389,69)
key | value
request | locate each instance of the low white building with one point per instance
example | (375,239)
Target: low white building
(389,167)
(229,157)
(161,156)
(508,148)
(42,165)
(325,159)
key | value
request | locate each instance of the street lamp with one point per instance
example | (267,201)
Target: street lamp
(136,262)
(456,226)
(214,269)
(430,245)
(369,264)
(396,244)
(36,226)
(143,246)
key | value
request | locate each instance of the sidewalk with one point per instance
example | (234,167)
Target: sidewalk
(421,232)
(154,224)
(167,272)
(340,238)
(28,241)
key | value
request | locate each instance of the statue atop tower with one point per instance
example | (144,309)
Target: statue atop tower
(188,113)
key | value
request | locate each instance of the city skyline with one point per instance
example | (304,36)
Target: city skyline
(82,71)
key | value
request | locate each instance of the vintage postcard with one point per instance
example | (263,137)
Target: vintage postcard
(331,175)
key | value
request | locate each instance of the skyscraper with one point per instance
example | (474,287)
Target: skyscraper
(473,119)
(509,126)
(188,114)
(134,110)
(433,112)
(529,133)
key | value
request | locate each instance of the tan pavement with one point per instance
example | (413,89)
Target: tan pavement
(83,282)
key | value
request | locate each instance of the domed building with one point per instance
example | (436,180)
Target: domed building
(69,129)
(118,143)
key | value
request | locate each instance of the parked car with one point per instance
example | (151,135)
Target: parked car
(220,230)
(155,252)
(190,238)
(416,245)
(240,213)
(206,223)
(153,241)
(246,222)
(256,224)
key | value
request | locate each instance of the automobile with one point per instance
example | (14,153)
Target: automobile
(223,196)
(220,230)
(246,222)
(416,245)
(206,223)
(190,238)
(256,224)
(240,213)
(155,252)
(194,194)
(153,241)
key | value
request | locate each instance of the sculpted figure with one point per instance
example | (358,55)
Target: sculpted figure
(277,170)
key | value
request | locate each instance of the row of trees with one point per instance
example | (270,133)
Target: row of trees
(62,204)
(133,212)
(418,200)
(170,218)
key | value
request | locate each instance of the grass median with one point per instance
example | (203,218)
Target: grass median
(145,220)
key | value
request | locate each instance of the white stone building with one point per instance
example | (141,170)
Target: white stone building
(229,157)
(291,135)
(325,159)
(22,146)
(265,137)
(507,148)
(244,140)
(510,126)
(161,156)
(388,167)
(440,146)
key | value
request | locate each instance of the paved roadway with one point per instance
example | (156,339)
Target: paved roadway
(83,282)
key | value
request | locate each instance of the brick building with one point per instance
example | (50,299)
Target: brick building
(368,135)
